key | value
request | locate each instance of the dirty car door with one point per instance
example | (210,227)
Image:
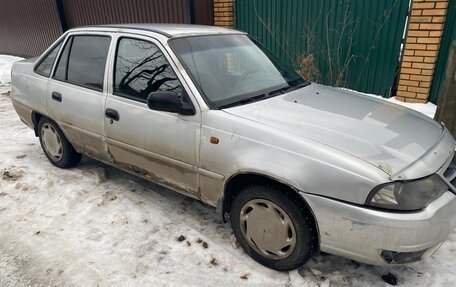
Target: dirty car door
(76,96)
(162,146)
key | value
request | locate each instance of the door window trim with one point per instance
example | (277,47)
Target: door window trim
(69,38)
(149,38)
(113,78)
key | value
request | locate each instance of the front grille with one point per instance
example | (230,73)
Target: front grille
(450,172)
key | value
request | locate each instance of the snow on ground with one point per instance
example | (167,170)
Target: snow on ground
(5,71)
(93,225)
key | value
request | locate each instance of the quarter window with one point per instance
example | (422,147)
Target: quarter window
(83,61)
(61,70)
(45,67)
(141,68)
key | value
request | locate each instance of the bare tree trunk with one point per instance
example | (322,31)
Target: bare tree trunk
(446,110)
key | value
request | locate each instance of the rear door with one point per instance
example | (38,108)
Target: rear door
(76,93)
(163,146)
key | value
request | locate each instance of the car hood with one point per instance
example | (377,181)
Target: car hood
(384,134)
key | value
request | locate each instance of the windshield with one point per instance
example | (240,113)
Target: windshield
(232,69)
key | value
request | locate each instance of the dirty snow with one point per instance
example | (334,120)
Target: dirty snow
(94,225)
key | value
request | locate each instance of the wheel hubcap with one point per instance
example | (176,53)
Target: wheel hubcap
(268,229)
(51,142)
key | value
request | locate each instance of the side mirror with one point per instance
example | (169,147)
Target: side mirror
(167,102)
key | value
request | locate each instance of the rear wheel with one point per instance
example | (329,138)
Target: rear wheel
(273,228)
(56,146)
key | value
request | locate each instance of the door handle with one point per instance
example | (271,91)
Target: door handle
(112,114)
(56,96)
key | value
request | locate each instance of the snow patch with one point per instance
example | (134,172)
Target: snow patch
(427,109)
(5,71)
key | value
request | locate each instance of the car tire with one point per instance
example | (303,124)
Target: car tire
(268,214)
(56,146)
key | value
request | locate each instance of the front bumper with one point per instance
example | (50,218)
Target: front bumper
(362,234)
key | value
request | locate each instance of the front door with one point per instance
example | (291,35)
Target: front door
(162,146)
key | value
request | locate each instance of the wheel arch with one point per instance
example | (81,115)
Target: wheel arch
(36,116)
(234,183)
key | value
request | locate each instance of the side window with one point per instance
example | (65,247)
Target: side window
(61,69)
(142,68)
(45,66)
(83,61)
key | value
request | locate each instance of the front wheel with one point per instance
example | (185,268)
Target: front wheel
(272,228)
(56,146)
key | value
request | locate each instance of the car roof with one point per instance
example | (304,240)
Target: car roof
(170,30)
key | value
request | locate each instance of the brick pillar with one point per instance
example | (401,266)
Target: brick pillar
(422,43)
(224,13)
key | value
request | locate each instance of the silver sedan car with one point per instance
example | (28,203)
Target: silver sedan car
(208,112)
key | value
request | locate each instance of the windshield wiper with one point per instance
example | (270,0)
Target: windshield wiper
(278,91)
(243,101)
(297,87)
(288,89)
(268,95)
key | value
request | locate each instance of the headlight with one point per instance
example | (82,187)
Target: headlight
(407,195)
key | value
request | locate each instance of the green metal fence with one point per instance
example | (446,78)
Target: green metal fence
(449,35)
(349,43)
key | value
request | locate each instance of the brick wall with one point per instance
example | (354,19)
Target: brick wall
(224,13)
(422,45)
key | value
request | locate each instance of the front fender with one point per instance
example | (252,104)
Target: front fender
(308,166)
